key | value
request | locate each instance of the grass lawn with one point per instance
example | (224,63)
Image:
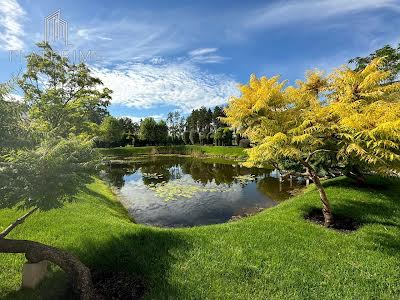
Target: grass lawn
(214,151)
(273,255)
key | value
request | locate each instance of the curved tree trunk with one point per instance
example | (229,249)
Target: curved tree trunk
(326,207)
(36,252)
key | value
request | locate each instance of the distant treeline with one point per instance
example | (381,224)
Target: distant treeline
(201,127)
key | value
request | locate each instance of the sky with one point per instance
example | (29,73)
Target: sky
(161,56)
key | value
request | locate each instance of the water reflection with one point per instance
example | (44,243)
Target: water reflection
(180,191)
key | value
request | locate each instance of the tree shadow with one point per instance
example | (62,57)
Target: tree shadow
(115,206)
(145,255)
(383,212)
(365,211)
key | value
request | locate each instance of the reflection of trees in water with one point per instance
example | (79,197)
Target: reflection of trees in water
(175,172)
(161,170)
(205,172)
(156,170)
(116,173)
(272,188)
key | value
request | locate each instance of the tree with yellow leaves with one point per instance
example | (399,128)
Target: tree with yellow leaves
(349,113)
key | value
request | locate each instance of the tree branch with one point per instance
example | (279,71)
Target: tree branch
(16,223)
(36,252)
(317,151)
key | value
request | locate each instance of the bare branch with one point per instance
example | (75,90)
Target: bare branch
(16,223)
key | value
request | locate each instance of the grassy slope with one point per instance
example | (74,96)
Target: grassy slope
(220,151)
(273,255)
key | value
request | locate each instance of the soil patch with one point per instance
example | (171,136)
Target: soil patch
(118,285)
(340,223)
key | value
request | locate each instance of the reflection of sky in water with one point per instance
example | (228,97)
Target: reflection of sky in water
(170,196)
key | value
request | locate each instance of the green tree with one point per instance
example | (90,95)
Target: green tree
(12,133)
(152,132)
(111,132)
(42,177)
(391,61)
(63,98)
(217,114)
(161,132)
(176,125)
(130,131)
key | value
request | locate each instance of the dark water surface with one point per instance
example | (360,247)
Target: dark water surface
(177,191)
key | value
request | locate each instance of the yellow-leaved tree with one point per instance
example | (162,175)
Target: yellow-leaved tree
(368,117)
(320,114)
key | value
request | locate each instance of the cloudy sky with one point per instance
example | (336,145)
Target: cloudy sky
(159,56)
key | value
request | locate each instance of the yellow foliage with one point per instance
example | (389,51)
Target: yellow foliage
(355,114)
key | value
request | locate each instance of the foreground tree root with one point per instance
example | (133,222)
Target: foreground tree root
(36,252)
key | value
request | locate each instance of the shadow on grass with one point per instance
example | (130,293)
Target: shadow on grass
(146,255)
(381,206)
(113,205)
(378,203)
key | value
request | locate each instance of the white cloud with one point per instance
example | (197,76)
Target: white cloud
(206,56)
(11,31)
(202,51)
(306,10)
(182,85)
(130,39)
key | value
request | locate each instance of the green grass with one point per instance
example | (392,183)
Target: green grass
(212,151)
(273,255)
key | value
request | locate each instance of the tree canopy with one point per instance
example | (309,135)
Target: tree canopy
(354,114)
(63,98)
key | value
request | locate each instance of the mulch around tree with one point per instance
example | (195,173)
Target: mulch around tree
(118,285)
(340,223)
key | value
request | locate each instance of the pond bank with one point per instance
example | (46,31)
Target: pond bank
(232,152)
(273,255)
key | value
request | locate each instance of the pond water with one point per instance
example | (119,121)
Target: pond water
(173,191)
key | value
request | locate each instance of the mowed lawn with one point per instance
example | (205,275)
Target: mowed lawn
(273,255)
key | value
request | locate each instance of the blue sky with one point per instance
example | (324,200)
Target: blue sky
(159,56)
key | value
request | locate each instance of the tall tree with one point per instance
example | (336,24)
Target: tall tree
(64,98)
(63,106)
(111,131)
(161,132)
(147,130)
(217,114)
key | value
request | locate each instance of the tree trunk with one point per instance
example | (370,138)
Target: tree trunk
(36,252)
(326,207)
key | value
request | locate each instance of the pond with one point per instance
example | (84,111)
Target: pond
(174,191)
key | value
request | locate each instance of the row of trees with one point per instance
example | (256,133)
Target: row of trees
(202,126)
